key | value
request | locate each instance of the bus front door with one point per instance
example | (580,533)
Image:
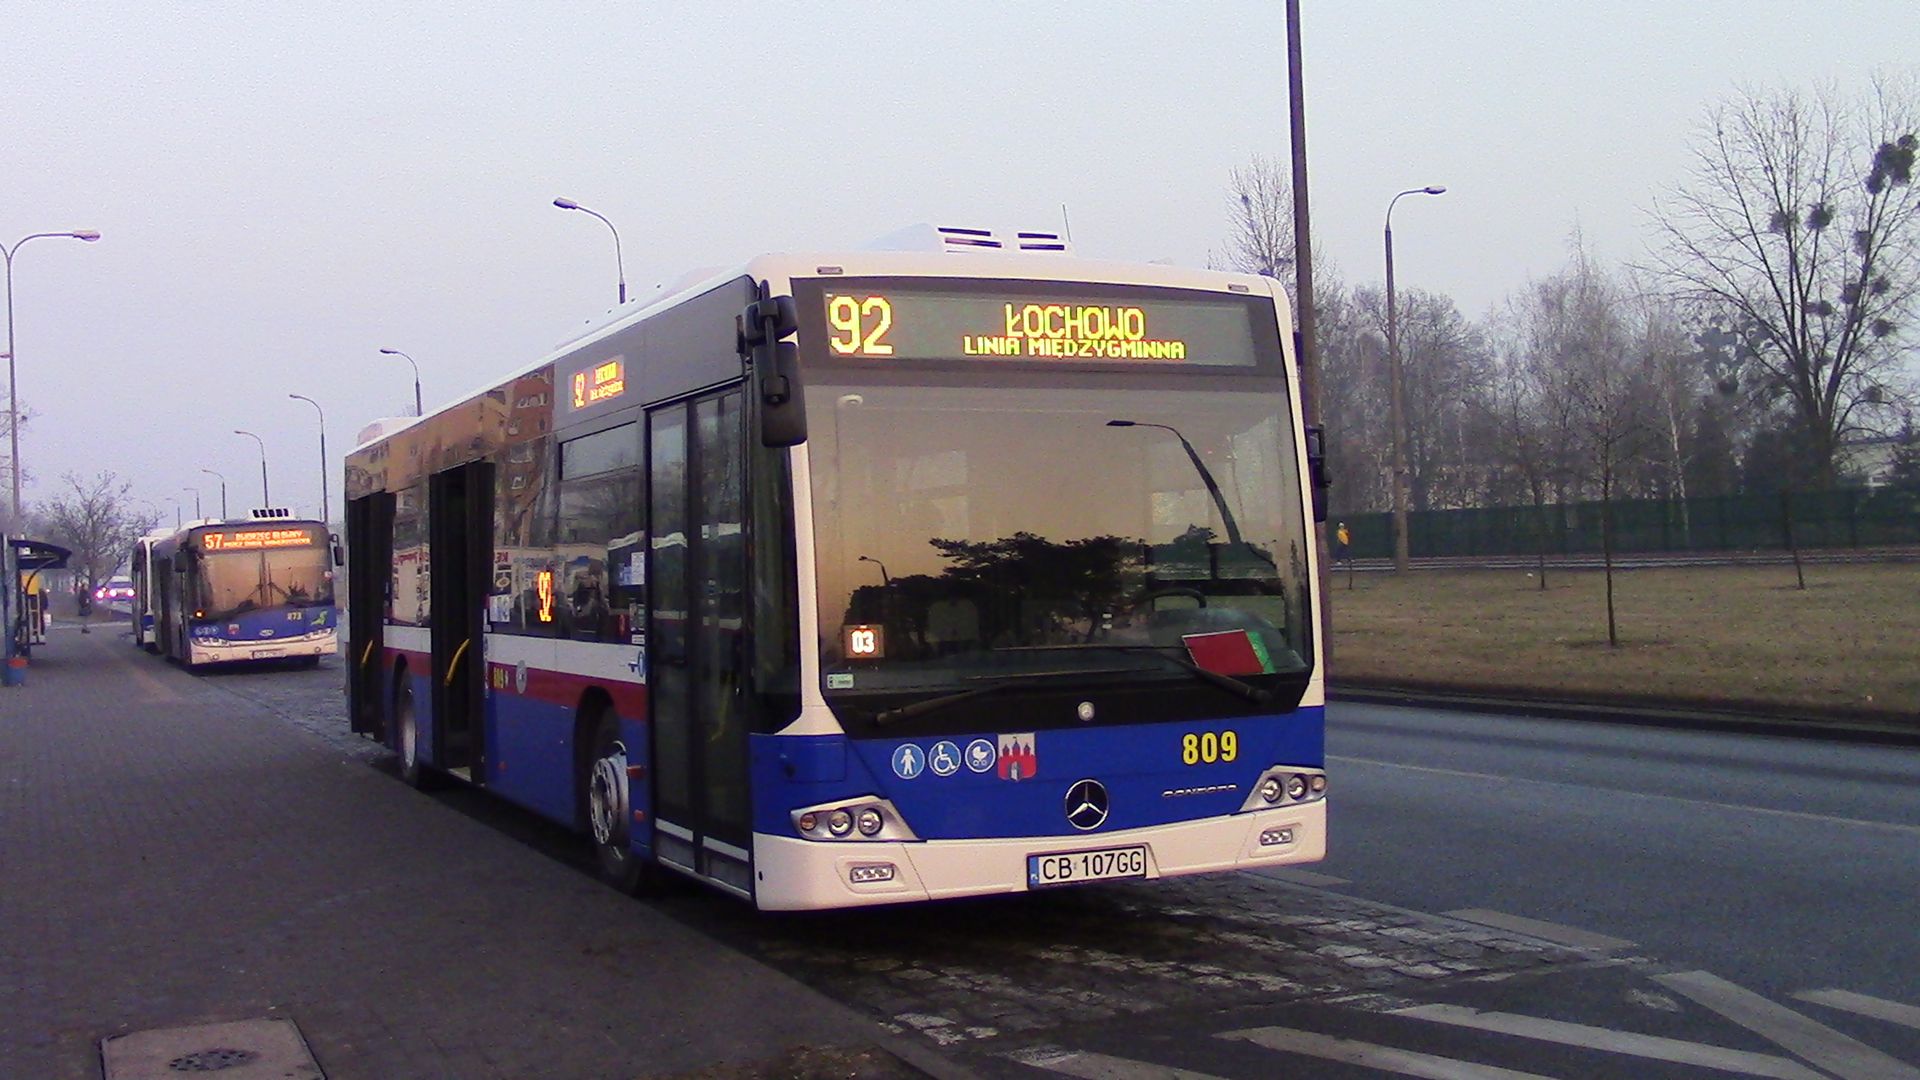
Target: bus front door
(369,575)
(460,524)
(696,653)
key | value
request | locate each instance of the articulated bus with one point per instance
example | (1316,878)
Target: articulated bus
(868,577)
(146,597)
(239,591)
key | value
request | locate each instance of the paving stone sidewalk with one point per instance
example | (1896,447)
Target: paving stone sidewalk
(168,857)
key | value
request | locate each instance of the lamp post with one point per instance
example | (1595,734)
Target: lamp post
(223,491)
(619,263)
(13,394)
(196,501)
(266,500)
(417,410)
(1397,411)
(324,498)
(885,581)
(1206,477)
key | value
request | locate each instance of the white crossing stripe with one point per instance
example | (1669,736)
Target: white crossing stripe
(1384,1058)
(1303,877)
(1617,1042)
(1091,1066)
(1829,1049)
(1545,931)
(1878,1008)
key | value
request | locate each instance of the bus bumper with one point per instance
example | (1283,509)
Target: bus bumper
(792,874)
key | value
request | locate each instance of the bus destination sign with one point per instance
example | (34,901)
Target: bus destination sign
(601,382)
(899,320)
(256,539)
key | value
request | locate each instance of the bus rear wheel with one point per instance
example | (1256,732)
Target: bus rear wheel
(610,811)
(406,730)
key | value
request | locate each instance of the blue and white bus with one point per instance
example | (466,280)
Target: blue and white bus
(867,577)
(239,591)
(146,594)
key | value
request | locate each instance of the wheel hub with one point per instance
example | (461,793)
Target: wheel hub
(607,795)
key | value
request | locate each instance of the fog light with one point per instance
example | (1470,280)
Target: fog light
(865,875)
(809,821)
(1276,837)
(1296,786)
(1318,783)
(1270,789)
(869,821)
(839,823)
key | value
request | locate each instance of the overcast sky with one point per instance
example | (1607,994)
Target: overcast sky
(284,189)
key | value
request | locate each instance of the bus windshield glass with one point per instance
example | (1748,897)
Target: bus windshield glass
(237,577)
(1076,529)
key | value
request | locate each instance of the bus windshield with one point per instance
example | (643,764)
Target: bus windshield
(970,535)
(235,582)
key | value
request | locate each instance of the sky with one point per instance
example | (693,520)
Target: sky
(283,190)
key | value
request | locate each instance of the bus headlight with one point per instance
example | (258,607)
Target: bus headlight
(1296,787)
(1282,785)
(859,818)
(1270,789)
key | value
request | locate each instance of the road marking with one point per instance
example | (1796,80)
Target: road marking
(1799,815)
(1102,1067)
(1618,1042)
(1878,1008)
(1812,1040)
(1546,931)
(1372,1056)
(1303,877)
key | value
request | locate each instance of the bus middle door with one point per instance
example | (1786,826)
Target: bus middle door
(460,523)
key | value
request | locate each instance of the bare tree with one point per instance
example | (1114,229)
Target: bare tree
(1798,222)
(93,518)
(1259,221)
(25,413)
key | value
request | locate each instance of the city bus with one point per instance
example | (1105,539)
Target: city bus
(958,567)
(240,591)
(146,597)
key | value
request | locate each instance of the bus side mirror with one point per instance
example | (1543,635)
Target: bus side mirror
(776,369)
(339,553)
(1317,469)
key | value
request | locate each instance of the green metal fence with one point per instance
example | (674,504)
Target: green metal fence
(1843,518)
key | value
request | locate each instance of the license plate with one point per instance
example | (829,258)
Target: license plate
(1073,867)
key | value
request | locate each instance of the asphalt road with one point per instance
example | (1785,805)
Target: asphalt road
(1550,898)
(1769,860)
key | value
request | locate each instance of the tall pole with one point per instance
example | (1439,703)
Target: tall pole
(223,492)
(266,500)
(1397,395)
(417,410)
(1309,342)
(619,262)
(13,383)
(325,499)
(196,501)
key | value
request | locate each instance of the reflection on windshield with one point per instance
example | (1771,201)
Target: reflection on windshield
(233,583)
(968,533)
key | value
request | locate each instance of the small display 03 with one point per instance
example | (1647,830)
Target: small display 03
(905,319)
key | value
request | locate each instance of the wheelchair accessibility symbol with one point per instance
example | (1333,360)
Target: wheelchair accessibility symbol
(944,758)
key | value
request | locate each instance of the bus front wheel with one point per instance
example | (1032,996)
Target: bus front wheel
(406,729)
(610,810)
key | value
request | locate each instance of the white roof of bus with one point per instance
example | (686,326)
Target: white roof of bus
(865,263)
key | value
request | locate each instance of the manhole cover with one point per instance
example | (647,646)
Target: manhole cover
(211,1060)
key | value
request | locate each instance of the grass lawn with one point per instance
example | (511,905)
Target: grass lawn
(1720,636)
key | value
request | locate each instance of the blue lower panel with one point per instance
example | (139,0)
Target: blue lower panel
(530,754)
(1014,784)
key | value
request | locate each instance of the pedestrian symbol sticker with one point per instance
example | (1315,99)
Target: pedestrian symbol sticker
(981,756)
(944,758)
(908,761)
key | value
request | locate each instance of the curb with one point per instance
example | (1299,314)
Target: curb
(1884,734)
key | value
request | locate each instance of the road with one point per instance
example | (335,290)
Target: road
(1763,858)
(1548,898)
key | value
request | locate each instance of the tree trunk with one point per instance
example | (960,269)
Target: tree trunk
(1606,550)
(1786,525)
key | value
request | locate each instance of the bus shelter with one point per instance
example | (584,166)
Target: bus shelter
(24,600)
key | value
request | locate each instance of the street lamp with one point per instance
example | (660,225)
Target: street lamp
(619,263)
(1397,413)
(1206,477)
(196,501)
(417,410)
(13,394)
(265,499)
(223,491)
(884,579)
(324,499)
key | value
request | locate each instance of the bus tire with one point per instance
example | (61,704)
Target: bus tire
(406,741)
(610,811)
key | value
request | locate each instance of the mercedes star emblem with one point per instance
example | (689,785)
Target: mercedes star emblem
(1087,805)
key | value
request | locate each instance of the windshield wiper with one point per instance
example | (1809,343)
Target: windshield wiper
(934,704)
(1228,683)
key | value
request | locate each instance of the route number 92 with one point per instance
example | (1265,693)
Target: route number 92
(1207,747)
